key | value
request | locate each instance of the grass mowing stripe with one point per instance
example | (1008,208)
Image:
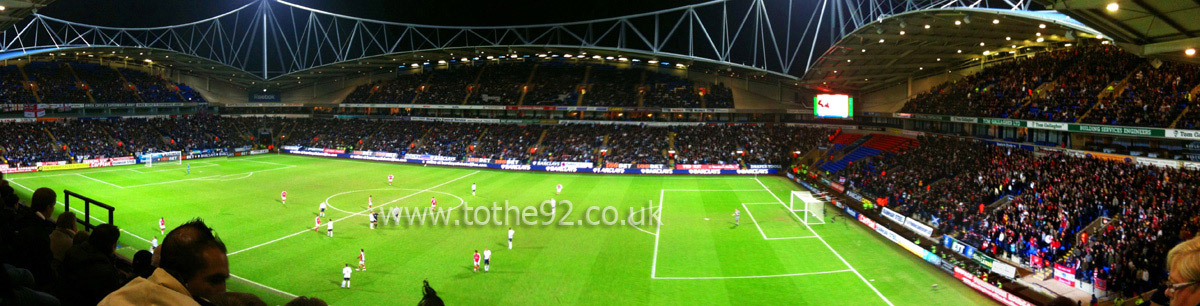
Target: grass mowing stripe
(864,279)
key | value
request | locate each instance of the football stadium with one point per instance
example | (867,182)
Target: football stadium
(699,152)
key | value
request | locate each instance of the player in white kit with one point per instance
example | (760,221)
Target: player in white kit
(487,259)
(329,228)
(153,244)
(323,209)
(737,217)
(558,189)
(553,203)
(472,189)
(346,276)
(374,219)
(510,235)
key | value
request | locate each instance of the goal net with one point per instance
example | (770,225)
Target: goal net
(172,157)
(809,208)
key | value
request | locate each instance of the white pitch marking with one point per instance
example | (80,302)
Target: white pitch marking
(760,231)
(835,253)
(657,233)
(352,215)
(99,180)
(756,276)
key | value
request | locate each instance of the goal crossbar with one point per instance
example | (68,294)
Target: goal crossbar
(809,208)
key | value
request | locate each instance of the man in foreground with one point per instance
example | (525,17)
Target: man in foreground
(192,267)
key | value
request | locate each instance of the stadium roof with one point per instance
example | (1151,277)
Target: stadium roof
(927,42)
(14,11)
(1150,28)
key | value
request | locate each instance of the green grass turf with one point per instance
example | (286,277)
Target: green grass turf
(699,256)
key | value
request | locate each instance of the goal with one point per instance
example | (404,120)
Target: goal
(810,209)
(171,157)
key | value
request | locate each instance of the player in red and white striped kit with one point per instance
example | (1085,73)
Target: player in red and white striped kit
(283,197)
(370,202)
(390,177)
(362,260)
(162,226)
(433,203)
(318,225)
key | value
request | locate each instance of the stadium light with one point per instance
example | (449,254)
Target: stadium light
(927,27)
(981,44)
(901,32)
(881,40)
(3,8)
(959,50)
(1066,45)
(864,50)
(986,52)
(995,21)
(958,22)
(1113,7)
(1040,39)
(921,68)
(1008,38)
(652,61)
(1190,51)
(847,60)
(1041,26)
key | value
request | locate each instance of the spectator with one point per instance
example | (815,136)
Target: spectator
(192,267)
(63,236)
(33,239)
(306,301)
(1183,262)
(89,270)
(142,264)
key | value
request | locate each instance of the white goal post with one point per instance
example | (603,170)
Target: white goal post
(810,209)
(172,157)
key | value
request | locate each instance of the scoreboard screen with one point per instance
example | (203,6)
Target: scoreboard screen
(833,106)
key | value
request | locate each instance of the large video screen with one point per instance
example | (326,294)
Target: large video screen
(833,106)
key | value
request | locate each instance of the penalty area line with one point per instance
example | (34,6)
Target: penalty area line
(835,252)
(755,276)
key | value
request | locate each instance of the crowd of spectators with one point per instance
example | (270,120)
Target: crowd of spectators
(575,142)
(25,144)
(553,83)
(957,185)
(1154,96)
(507,142)
(55,83)
(1080,84)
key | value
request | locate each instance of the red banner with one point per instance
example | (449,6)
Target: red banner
(334,151)
(995,293)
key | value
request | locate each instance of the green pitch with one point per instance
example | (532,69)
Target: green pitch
(695,256)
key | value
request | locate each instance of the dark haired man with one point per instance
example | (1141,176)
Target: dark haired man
(192,267)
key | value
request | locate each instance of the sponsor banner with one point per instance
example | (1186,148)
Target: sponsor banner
(901,115)
(18,169)
(870,223)
(62,167)
(651,166)
(958,246)
(50,163)
(16,120)
(851,212)
(1185,134)
(894,216)
(1159,162)
(963,119)
(706,167)
(1190,165)
(1002,122)
(1119,130)
(918,227)
(479,160)
(98,162)
(886,233)
(123,161)
(257,152)
(562,164)
(1004,297)
(837,187)
(1064,274)
(1058,126)
(983,260)
(506,165)
(334,151)
(205,155)
(947,266)
(268,96)
(999,267)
